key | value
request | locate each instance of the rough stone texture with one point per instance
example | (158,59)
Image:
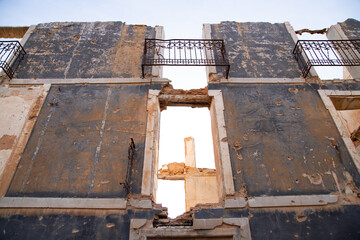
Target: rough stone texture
(261,50)
(283,141)
(351,28)
(79,145)
(84,50)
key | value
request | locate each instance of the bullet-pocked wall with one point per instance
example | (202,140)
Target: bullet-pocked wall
(79,145)
(283,141)
(84,50)
(257,50)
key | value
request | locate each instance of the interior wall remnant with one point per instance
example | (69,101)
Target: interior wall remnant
(13,32)
(190,158)
(201,187)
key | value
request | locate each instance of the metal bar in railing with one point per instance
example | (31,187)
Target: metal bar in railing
(310,53)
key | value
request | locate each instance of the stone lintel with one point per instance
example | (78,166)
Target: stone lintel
(284,201)
(85,203)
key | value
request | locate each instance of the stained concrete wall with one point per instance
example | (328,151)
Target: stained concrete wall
(351,28)
(17,106)
(79,145)
(257,50)
(84,50)
(283,141)
(81,225)
(304,223)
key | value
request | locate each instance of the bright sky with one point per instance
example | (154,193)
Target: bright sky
(181,19)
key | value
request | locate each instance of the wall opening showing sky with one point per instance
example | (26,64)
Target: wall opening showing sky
(176,124)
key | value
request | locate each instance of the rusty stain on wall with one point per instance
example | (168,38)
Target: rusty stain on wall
(129,52)
(7,141)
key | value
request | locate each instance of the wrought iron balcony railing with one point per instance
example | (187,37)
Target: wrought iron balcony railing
(310,53)
(11,54)
(185,52)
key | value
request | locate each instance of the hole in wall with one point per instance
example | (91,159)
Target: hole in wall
(348,109)
(186,77)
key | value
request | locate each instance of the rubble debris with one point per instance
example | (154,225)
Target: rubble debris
(177,171)
(186,219)
(168,89)
(305,30)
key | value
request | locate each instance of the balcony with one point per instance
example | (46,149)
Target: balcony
(185,52)
(310,53)
(11,54)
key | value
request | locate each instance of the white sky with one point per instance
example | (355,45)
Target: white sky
(181,19)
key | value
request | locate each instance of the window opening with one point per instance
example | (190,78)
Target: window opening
(348,108)
(185,127)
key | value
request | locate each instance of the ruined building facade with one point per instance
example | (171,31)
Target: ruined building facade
(80,127)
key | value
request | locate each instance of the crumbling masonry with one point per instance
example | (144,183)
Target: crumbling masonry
(80,127)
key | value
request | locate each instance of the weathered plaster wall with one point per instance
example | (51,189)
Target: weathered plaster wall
(83,224)
(300,223)
(200,188)
(306,224)
(257,50)
(79,145)
(351,28)
(16,104)
(84,50)
(283,141)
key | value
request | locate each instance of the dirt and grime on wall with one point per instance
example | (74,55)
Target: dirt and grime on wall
(7,141)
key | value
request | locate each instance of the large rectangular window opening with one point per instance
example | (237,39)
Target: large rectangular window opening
(344,107)
(186,174)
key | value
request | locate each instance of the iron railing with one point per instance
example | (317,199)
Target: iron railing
(310,53)
(185,52)
(11,54)
(131,153)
